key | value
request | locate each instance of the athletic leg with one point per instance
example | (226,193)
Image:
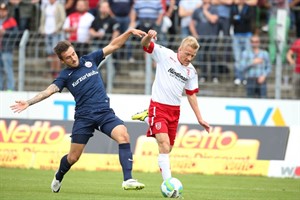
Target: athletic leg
(65,165)
(70,159)
(164,149)
(163,120)
(121,136)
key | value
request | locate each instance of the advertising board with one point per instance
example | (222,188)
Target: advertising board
(226,150)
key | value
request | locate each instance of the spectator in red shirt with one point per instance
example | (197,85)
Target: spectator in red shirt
(93,6)
(295,51)
(77,25)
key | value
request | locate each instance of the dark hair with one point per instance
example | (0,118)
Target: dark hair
(61,47)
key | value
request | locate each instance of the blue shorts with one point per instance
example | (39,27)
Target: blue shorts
(85,126)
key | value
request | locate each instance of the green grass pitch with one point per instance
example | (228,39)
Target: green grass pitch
(23,184)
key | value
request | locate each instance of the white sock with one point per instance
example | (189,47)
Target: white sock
(146,120)
(164,165)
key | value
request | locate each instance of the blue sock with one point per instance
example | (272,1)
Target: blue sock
(64,167)
(125,157)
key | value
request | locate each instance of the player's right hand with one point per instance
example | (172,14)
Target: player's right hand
(19,106)
(152,34)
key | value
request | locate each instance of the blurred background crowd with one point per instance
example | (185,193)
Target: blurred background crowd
(245,44)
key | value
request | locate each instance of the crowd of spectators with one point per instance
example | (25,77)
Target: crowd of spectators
(231,22)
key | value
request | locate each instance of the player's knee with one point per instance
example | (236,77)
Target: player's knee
(123,138)
(120,135)
(164,147)
(72,158)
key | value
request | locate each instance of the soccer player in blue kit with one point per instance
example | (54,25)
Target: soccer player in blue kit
(92,110)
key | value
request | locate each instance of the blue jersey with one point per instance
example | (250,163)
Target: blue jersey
(85,84)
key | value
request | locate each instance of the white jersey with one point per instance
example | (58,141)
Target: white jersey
(82,22)
(171,76)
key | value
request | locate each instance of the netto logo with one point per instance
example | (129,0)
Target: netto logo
(195,139)
(41,132)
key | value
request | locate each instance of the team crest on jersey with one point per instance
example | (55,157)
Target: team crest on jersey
(88,64)
(158,125)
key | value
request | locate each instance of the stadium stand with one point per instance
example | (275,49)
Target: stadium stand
(130,78)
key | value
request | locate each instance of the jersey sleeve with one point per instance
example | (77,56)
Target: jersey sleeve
(150,48)
(96,56)
(191,86)
(60,82)
(157,52)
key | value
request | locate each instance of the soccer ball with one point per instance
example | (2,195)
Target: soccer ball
(171,188)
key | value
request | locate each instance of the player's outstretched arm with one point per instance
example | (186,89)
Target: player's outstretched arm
(194,105)
(119,41)
(21,105)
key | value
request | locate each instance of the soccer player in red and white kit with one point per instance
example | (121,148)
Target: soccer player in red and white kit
(174,74)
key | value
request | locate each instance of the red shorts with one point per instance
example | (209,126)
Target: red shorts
(163,119)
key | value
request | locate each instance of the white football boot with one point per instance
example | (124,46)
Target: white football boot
(55,185)
(132,184)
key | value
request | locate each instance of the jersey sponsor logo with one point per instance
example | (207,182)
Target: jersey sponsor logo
(177,75)
(88,64)
(158,125)
(82,78)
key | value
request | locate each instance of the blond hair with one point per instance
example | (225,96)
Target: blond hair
(191,42)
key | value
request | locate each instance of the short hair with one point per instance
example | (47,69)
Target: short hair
(61,47)
(191,42)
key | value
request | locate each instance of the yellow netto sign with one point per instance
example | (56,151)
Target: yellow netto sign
(42,145)
(195,151)
(41,132)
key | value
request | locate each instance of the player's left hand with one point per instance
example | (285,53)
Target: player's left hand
(138,32)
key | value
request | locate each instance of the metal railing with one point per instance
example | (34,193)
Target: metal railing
(122,75)
(22,58)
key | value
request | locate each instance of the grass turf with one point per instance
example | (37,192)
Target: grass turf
(105,185)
